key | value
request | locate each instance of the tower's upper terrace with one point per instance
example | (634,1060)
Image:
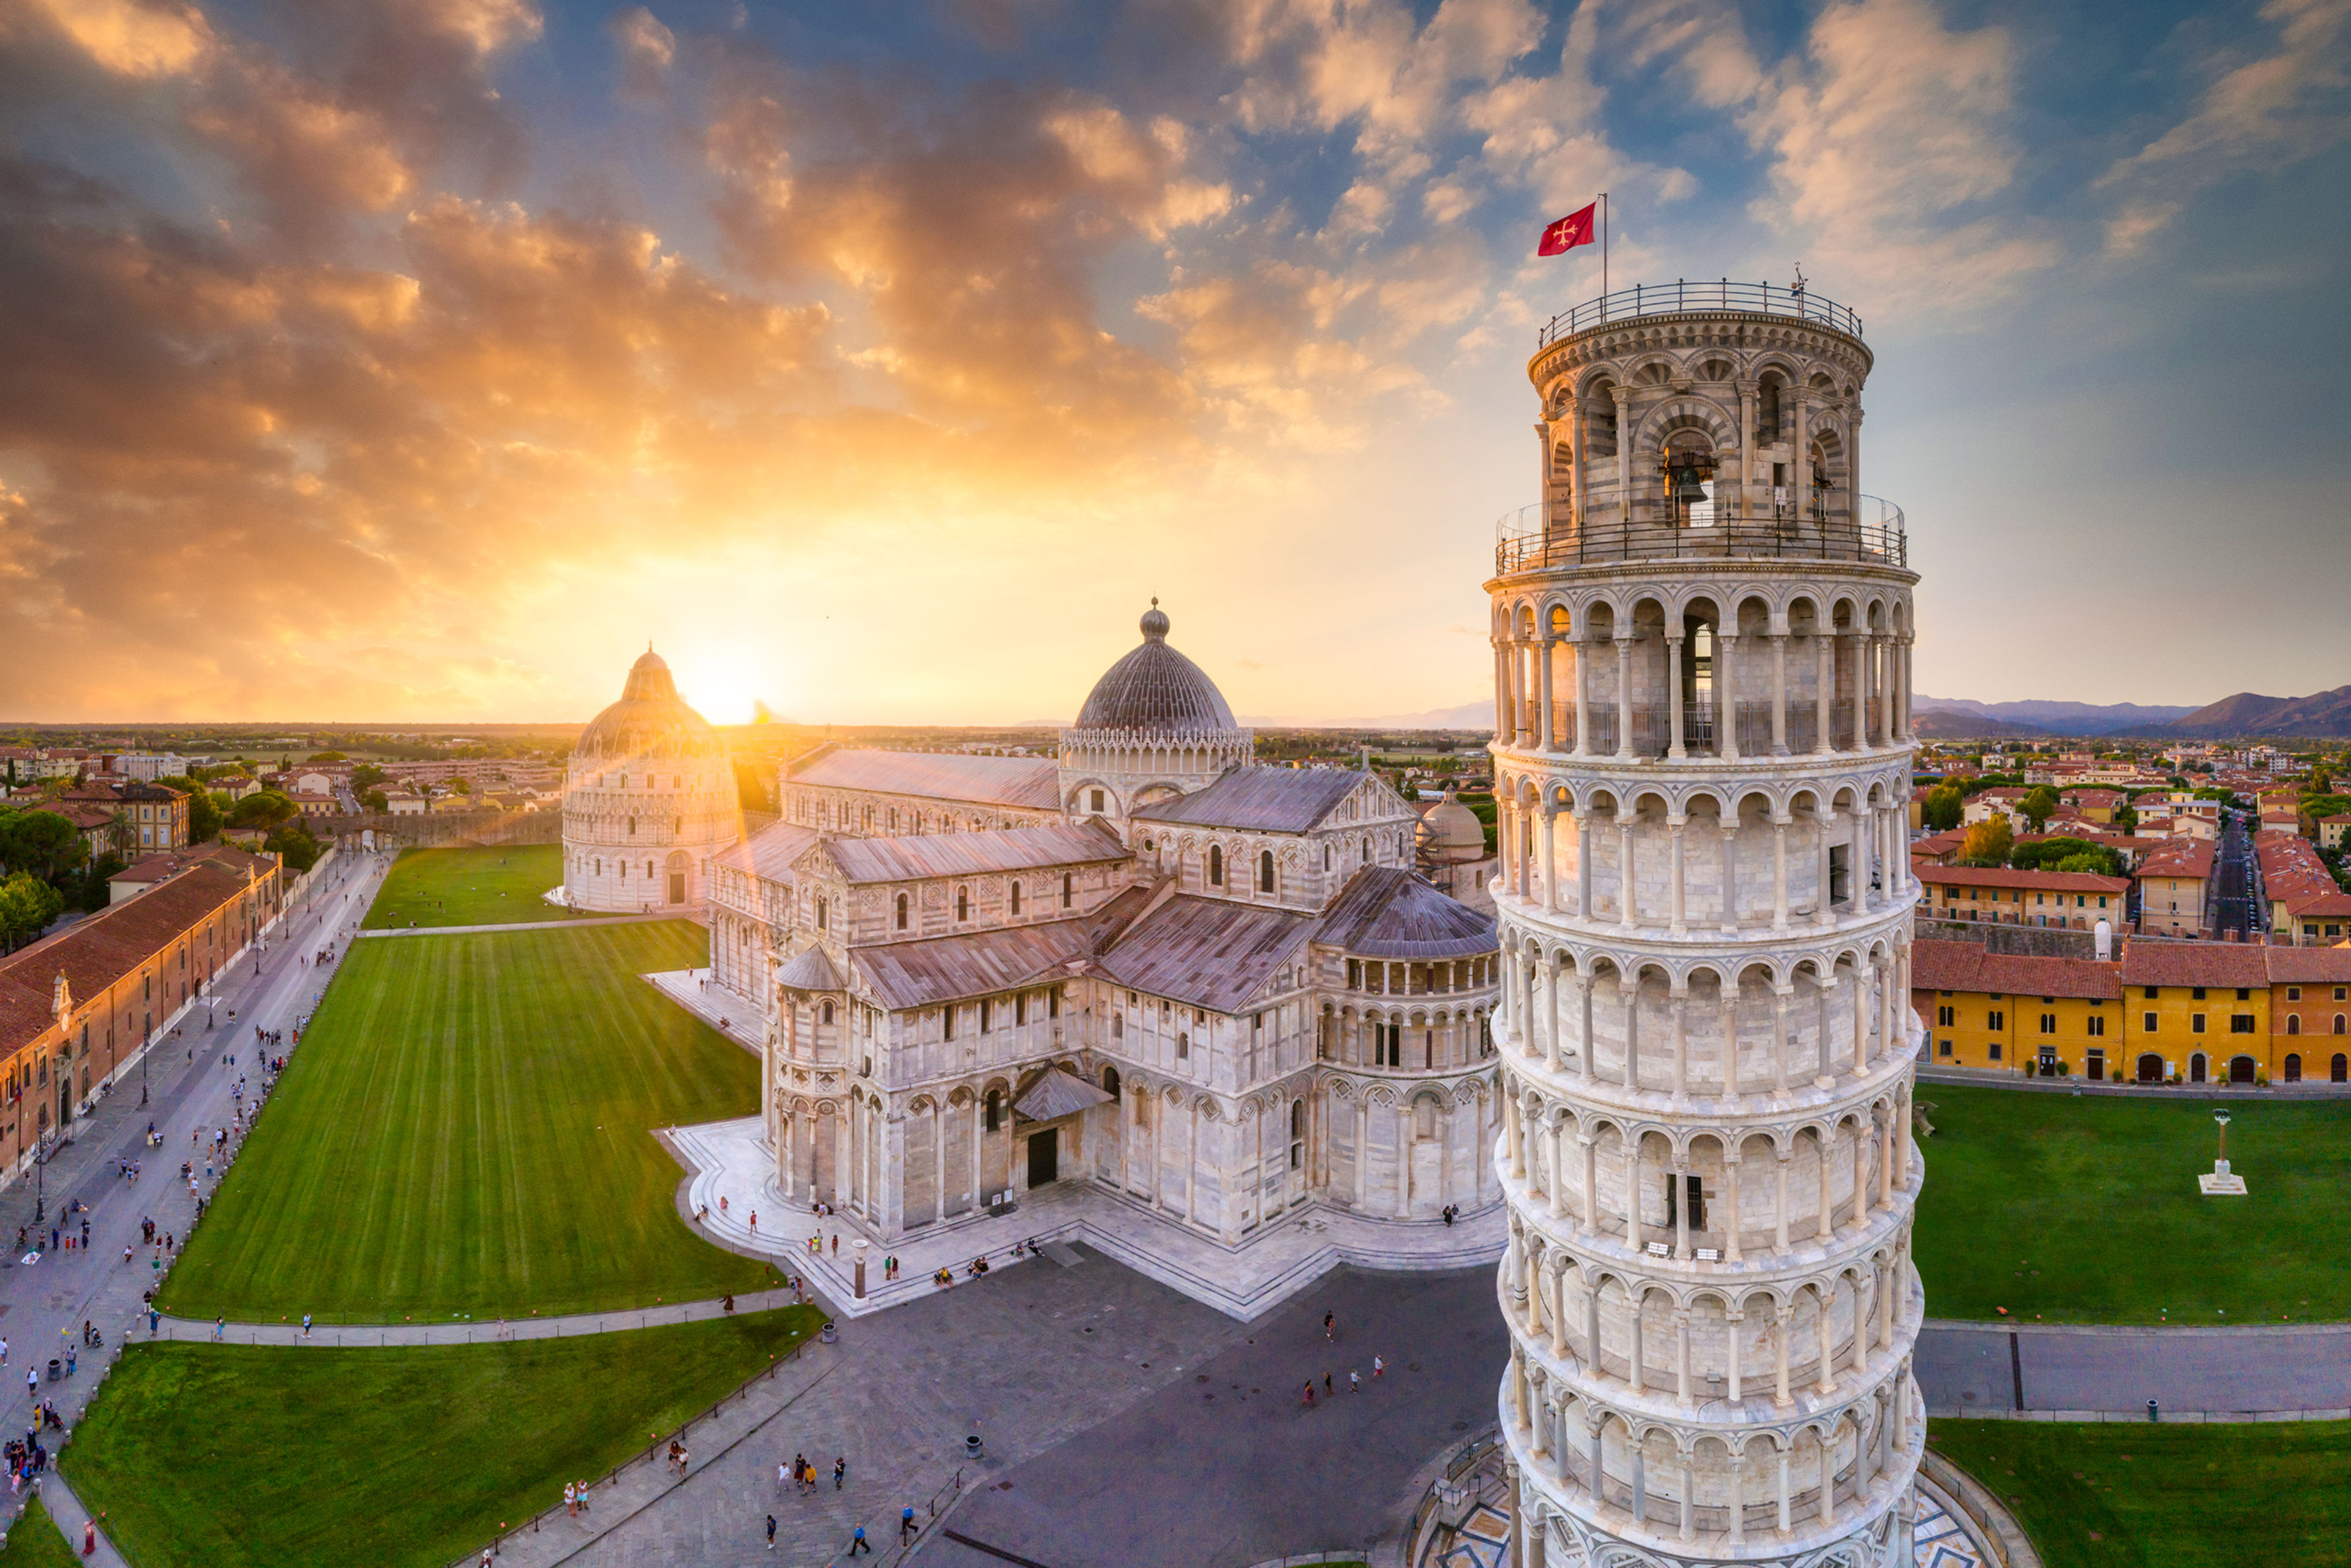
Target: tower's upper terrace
(1701,420)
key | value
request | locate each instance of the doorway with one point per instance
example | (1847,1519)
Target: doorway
(2241,1069)
(2150,1068)
(1044,1156)
(677,887)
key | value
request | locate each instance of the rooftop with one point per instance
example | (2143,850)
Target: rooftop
(1026,782)
(1686,296)
(1265,799)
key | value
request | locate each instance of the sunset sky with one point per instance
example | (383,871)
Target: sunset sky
(423,359)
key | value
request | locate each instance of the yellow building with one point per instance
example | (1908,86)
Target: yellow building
(2053,1016)
(2201,1008)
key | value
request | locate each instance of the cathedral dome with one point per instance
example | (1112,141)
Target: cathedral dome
(1156,689)
(650,720)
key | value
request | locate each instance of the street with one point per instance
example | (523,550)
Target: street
(46,1296)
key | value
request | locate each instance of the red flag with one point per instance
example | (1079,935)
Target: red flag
(1569,232)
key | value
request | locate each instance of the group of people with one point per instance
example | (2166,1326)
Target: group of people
(803,1474)
(678,1457)
(575,1497)
(26,1458)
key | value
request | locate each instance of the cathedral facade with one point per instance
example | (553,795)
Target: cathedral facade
(1221,992)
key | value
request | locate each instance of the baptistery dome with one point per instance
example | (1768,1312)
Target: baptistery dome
(650,720)
(1155,688)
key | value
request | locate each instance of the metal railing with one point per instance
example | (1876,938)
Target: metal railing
(1873,532)
(1686,294)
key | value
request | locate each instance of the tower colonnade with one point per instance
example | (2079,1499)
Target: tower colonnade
(1702,770)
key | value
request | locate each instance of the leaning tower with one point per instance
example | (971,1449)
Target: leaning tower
(1702,757)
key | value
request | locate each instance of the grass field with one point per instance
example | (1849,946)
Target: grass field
(272,1456)
(2087,1210)
(2273,1495)
(34,1541)
(466,1129)
(469,887)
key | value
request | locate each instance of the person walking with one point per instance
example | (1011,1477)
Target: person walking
(857,1543)
(1330,1325)
(1378,1367)
(906,1523)
(1309,1400)
(771,1532)
(840,1472)
(780,1475)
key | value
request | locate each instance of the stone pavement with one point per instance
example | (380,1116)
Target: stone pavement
(2091,1373)
(722,1010)
(1028,1358)
(730,1160)
(466,1331)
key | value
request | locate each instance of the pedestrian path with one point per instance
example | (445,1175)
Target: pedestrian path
(71,1517)
(695,991)
(519,925)
(460,1330)
(2053,1371)
(731,1194)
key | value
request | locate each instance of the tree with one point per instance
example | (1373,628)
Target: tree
(262,809)
(294,841)
(27,904)
(2125,821)
(329,757)
(1944,807)
(2039,805)
(95,891)
(39,843)
(462,786)
(367,775)
(2322,782)
(1988,842)
(376,800)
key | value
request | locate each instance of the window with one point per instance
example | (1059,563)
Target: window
(1216,867)
(2341,991)
(2196,1023)
(1053,1003)
(1020,1008)
(901,912)
(1326,857)
(1069,888)
(2150,993)
(821,914)
(1994,1054)
(827,1013)
(995,1108)
(2294,1023)
(1943,1048)
(2293,993)
(2338,1023)
(2244,994)
(947,1023)
(963,904)
(1016,898)
(1995,1018)
(1183,1046)
(1097,803)
(2241,1023)
(1110,1082)
(633,827)
(1946,1016)
(2147,1022)
(2049,1023)
(984,1011)
(1118,1026)
(1265,871)
(2197,993)
(2098,1026)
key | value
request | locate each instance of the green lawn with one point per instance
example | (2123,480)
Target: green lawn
(2273,1495)
(230,1455)
(2087,1210)
(466,1129)
(470,887)
(34,1541)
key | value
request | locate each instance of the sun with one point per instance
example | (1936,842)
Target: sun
(719,693)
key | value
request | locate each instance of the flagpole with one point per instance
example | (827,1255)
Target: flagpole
(1604,256)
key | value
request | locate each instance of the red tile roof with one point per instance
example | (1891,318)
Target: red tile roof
(2031,881)
(1936,966)
(2193,964)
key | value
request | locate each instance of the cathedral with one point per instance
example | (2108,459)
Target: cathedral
(1221,993)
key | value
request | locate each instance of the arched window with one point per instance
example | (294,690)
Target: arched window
(1069,887)
(2339,1069)
(1326,857)
(820,925)
(2338,1023)
(901,912)
(1367,852)
(1265,871)
(1117,1025)
(1110,1082)
(2294,1023)
(995,1108)
(599,866)
(963,904)
(828,1012)
(2292,1067)
(1216,865)
(677,825)
(625,780)
(633,827)
(624,869)
(1016,898)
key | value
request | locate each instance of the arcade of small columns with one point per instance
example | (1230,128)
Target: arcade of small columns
(1794,1287)
(1868,662)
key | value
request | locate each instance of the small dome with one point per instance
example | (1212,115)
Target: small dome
(1451,831)
(650,720)
(1155,688)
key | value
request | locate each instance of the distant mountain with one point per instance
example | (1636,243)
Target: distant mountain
(1945,724)
(2321,715)
(2053,717)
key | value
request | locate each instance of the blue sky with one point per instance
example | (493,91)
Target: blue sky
(386,359)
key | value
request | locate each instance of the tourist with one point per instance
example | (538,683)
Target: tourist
(840,1472)
(1355,1383)
(780,1475)
(771,1532)
(306,1325)
(858,1542)
(1309,1400)
(570,1499)
(1378,1367)
(906,1523)
(1330,1325)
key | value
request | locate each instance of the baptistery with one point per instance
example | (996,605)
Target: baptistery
(649,797)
